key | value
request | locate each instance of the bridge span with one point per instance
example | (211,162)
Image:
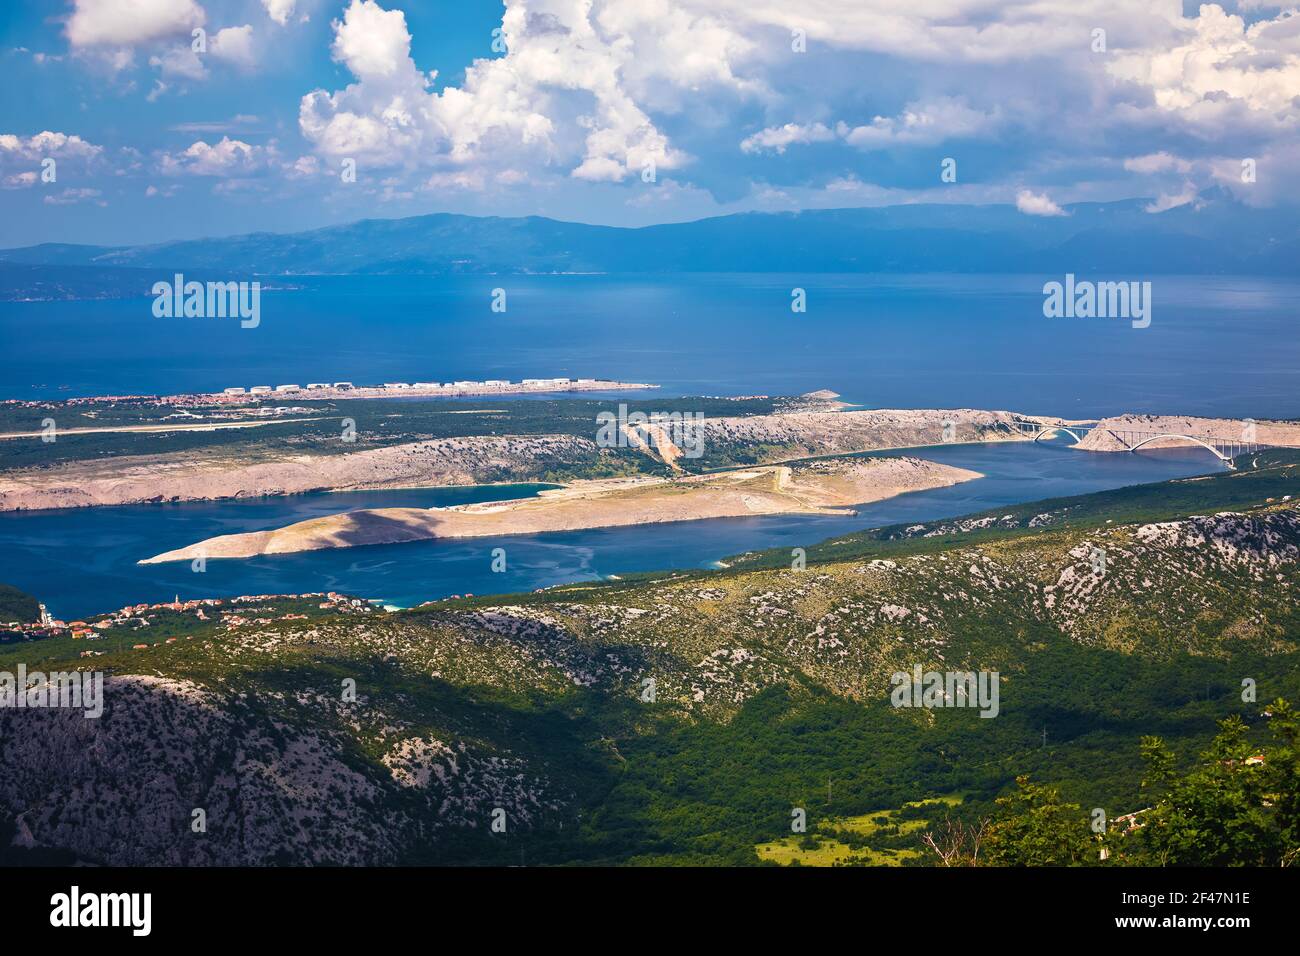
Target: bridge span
(1223,448)
(1040,430)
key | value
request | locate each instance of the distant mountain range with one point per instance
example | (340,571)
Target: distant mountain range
(1214,235)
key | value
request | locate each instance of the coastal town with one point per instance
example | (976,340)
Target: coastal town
(153,623)
(335,390)
(329,391)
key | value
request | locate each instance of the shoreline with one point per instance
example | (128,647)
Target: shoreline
(871,451)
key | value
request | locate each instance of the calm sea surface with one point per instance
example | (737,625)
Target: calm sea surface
(1215,346)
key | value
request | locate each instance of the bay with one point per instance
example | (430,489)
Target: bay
(83,561)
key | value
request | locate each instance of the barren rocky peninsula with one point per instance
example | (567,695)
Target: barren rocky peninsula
(314,463)
(477,459)
(820,487)
(192,477)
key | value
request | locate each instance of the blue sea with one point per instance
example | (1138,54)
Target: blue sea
(1216,346)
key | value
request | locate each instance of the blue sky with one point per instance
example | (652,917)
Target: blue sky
(626,112)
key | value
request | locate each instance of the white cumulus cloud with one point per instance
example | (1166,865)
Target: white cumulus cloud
(372,42)
(922,124)
(233,44)
(579,92)
(279,10)
(47,143)
(1172,200)
(130,22)
(1037,204)
(229,157)
(1221,75)
(573,89)
(779,138)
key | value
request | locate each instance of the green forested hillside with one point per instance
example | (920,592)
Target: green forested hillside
(16,605)
(686,718)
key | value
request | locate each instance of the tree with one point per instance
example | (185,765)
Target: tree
(1224,812)
(1282,776)
(957,843)
(1035,828)
(1160,762)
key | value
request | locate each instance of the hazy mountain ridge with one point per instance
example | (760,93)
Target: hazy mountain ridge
(1215,235)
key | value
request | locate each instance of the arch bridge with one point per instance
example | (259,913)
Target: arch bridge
(1224,449)
(1040,430)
